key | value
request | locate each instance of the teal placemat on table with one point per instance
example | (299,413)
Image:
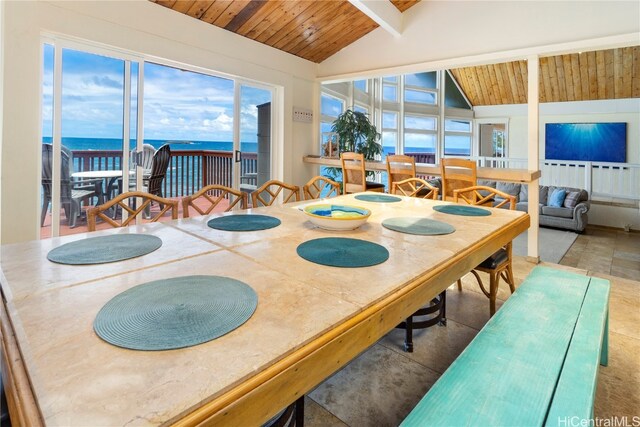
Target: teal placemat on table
(378,198)
(175,313)
(343,252)
(462,210)
(421,226)
(244,222)
(104,249)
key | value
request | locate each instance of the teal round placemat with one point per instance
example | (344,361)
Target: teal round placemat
(462,210)
(175,313)
(343,252)
(421,226)
(244,222)
(378,198)
(104,249)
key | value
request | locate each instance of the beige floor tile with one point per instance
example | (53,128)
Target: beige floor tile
(624,301)
(379,388)
(628,255)
(316,416)
(625,273)
(626,263)
(618,392)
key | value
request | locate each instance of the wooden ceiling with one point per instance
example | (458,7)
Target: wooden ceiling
(606,74)
(310,29)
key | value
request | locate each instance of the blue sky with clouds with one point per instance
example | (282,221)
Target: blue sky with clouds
(178,105)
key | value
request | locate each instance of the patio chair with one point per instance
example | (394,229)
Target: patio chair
(415,187)
(354,175)
(456,174)
(71,194)
(320,186)
(400,167)
(268,192)
(498,265)
(215,195)
(159,166)
(121,201)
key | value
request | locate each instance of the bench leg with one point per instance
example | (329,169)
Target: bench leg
(408,336)
(604,352)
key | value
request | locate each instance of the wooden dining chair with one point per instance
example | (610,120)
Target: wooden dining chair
(354,175)
(121,200)
(498,265)
(267,193)
(320,186)
(213,195)
(456,174)
(400,167)
(415,187)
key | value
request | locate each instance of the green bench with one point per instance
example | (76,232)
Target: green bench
(534,363)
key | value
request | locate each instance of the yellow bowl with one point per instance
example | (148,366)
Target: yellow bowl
(337,217)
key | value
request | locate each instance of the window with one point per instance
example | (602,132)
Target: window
(360,85)
(457,137)
(421,88)
(420,137)
(389,133)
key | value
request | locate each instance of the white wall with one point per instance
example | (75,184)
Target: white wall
(442,30)
(136,26)
(617,110)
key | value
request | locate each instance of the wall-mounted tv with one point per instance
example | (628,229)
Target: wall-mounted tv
(596,142)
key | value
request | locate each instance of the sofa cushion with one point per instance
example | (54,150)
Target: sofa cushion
(556,199)
(559,212)
(524,207)
(572,199)
(509,188)
(524,193)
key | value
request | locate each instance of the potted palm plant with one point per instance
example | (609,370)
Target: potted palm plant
(357,134)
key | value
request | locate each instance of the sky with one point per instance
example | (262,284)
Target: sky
(178,105)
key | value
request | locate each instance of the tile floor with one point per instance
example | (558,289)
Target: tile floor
(381,386)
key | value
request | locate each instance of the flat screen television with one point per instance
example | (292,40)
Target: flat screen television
(596,142)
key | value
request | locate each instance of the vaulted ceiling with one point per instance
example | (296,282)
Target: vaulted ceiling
(312,30)
(605,74)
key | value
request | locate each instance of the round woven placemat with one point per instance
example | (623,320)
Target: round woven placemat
(378,198)
(248,222)
(462,210)
(420,226)
(104,249)
(343,252)
(175,313)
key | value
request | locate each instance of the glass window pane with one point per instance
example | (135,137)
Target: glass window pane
(325,127)
(360,109)
(419,143)
(47,94)
(391,79)
(389,120)
(331,106)
(457,145)
(426,80)
(389,139)
(389,93)
(419,97)
(457,125)
(360,85)
(419,122)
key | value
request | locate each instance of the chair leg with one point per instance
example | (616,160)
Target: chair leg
(300,412)
(460,284)
(479,279)
(443,308)
(408,335)
(494,279)
(45,210)
(510,280)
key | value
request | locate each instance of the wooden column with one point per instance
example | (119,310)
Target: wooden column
(533,155)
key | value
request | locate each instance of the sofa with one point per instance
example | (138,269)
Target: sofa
(572,215)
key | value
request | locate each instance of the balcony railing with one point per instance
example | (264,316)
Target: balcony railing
(188,170)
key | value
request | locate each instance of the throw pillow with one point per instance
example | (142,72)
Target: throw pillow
(557,198)
(572,199)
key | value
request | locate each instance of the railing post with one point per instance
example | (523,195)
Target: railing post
(588,169)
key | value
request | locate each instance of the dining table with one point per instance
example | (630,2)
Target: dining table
(309,322)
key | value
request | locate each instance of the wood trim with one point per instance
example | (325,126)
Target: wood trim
(21,403)
(506,175)
(253,402)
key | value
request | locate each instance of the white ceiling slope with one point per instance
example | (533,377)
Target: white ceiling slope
(444,30)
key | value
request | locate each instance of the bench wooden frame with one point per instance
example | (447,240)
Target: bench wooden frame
(534,363)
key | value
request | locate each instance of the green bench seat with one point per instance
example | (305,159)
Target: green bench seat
(534,363)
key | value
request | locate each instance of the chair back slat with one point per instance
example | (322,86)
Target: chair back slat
(215,195)
(120,201)
(320,186)
(457,174)
(400,167)
(415,187)
(353,172)
(267,193)
(485,196)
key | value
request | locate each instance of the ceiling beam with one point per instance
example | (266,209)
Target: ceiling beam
(384,13)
